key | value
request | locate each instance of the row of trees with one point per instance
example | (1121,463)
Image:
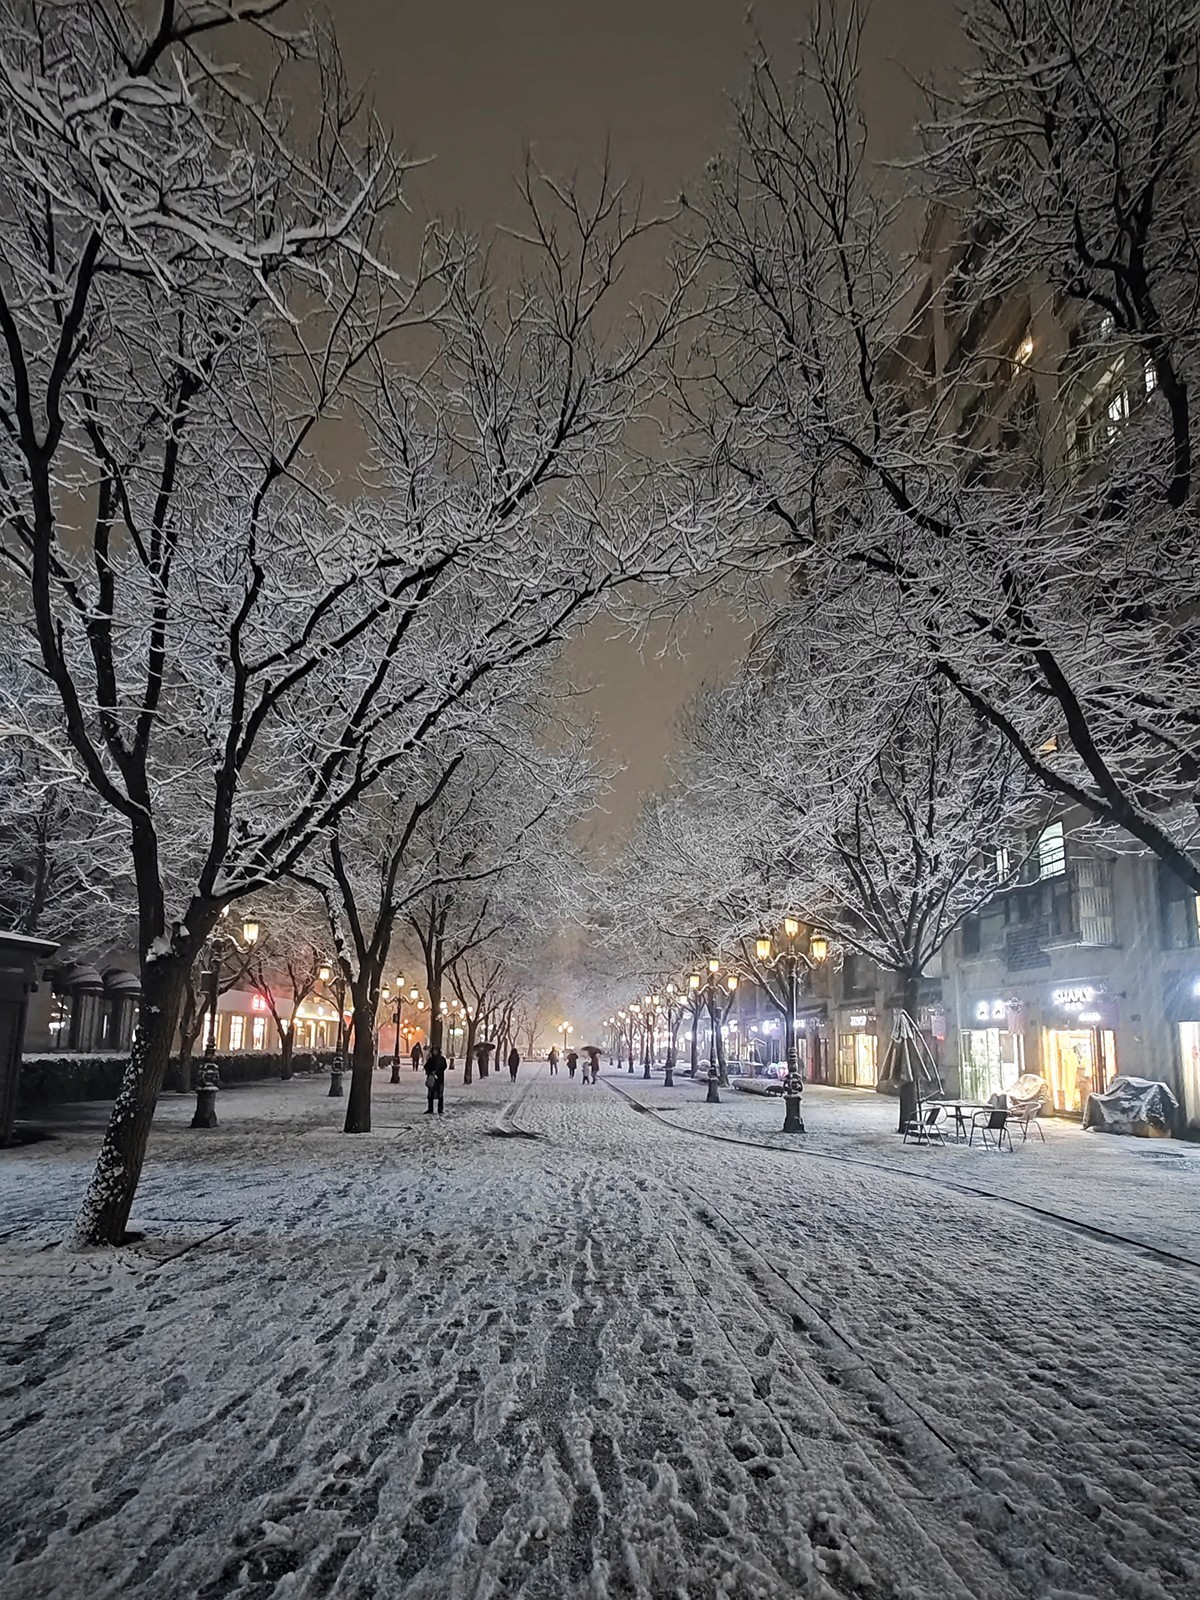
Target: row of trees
(296,506)
(980,456)
(288,526)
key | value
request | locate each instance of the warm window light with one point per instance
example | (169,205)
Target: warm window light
(762,948)
(791,927)
(694,981)
(819,948)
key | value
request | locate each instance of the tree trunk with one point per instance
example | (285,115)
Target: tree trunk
(910,1092)
(469,1050)
(287,1047)
(722,1062)
(362,1069)
(104,1215)
(695,1047)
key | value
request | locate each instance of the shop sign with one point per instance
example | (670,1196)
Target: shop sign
(934,1018)
(987,1011)
(1074,997)
(861,1019)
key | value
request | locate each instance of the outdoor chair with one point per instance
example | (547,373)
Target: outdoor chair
(1026,1117)
(926,1129)
(992,1126)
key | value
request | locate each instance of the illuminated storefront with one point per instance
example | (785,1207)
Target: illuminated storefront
(858,1049)
(1079,1047)
(993,1047)
(1183,1012)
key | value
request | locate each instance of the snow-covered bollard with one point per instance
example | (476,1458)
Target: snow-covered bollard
(207,1084)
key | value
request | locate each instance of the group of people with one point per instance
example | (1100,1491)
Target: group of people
(436,1065)
(591,1070)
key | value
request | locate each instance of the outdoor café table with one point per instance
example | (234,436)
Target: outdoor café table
(958,1107)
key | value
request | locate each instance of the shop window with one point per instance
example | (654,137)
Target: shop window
(237,1032)
(1051,851)
(1180,912)
(258,1034)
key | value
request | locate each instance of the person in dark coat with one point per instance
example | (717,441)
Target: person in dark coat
(572,1062)
(514,1061)
(417,1054)
(435,1081)
(593,1065)
(552,1058)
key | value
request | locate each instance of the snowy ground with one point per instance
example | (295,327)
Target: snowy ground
(620,1359)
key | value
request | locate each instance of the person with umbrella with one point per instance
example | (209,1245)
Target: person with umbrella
(593,1053)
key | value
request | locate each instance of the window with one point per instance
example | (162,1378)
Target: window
(1051,851)
(258,1034)
(237,1032)
(1151,376)
(1003,866)
(1180,912)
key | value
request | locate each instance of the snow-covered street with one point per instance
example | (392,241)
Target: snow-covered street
(617,1359)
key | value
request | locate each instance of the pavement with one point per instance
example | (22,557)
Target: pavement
(591,1342)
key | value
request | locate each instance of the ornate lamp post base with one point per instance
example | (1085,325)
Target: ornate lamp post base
(793,1099)
(207,1087)
(713,1097)
(336,1092)
(669,1074)
(395,1069)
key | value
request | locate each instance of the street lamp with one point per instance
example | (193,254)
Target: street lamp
(672,1021)
(788,960)
(339,999)
(706,992)
(208,1080)
(635,1022)
(621,1021)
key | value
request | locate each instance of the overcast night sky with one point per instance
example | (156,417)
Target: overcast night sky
(469,83)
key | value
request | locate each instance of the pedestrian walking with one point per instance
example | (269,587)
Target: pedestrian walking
(435,1081)
(572,1063)
(417,1054)
(552,1058)
(514,1061)
(593,1066)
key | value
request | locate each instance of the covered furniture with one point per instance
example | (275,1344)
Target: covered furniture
(1139,1106)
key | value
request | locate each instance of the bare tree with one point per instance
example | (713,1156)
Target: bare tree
(1000,424)
(188,292)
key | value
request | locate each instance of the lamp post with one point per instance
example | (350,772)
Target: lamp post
(338,1068)
(412,999)
(635,1022)
(208,1080)
(620,1026)
(672,1022)
(788,960)
(708,989)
